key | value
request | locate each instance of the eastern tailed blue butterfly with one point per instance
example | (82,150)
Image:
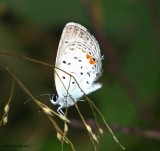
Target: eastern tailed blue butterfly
(79,58)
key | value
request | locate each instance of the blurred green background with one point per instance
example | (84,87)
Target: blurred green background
(128,32)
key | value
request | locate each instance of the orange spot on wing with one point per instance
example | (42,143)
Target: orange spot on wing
(91,61)
(88,56)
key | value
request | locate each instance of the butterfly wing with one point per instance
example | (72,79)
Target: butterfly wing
(78,56)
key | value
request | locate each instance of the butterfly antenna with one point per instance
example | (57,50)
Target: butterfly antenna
(37,96)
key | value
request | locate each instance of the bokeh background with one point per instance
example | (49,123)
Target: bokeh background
(128,32)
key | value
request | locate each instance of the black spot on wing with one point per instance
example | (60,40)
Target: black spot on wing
(93,59)
(88,74)
(64,62)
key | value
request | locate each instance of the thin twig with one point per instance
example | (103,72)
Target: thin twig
(152,134)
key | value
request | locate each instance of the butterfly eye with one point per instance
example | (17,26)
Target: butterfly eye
(54,97)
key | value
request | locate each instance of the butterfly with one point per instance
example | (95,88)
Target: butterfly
(78,66)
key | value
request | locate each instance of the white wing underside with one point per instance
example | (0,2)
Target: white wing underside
(71,62)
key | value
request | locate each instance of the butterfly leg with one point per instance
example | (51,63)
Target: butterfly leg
(59,110)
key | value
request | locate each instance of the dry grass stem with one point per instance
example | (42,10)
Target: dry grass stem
(4,119)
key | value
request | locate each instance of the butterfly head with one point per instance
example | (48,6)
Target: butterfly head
(53,99)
